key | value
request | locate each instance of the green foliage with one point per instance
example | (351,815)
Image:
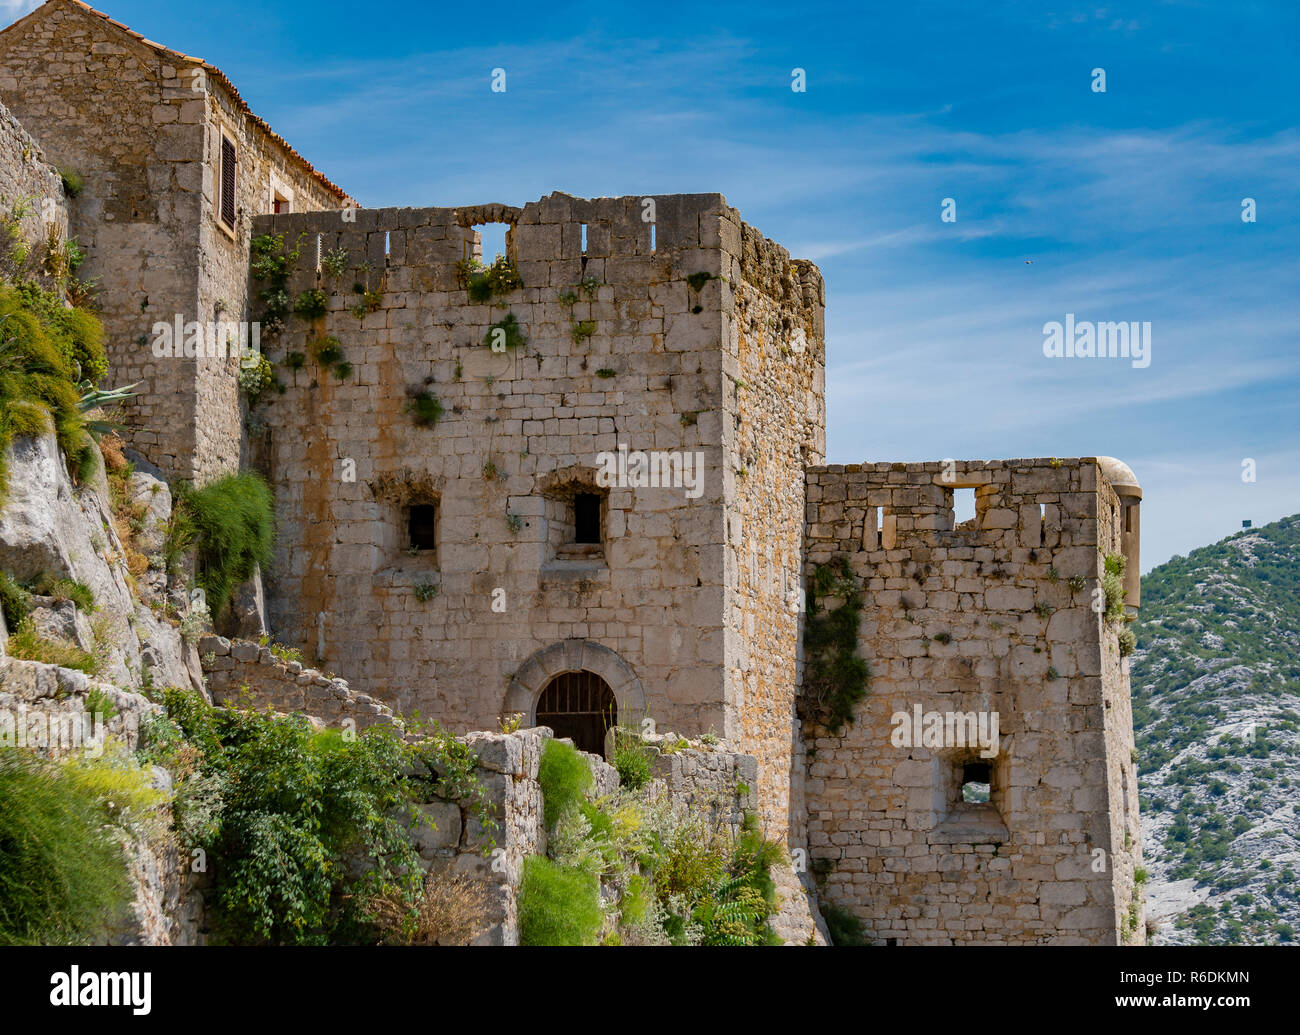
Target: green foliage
(45,349)
(63,876)
(312,304)
(272,265)
(698,280)
(73,182)
(605,372)
(294,803)
(564,777)
(633,761)
(328,350)
(335,262)
(256,377)
(64,589)
(505,335)
(558,905)
(844,927)
(835,678)
(581,330)
(15,601)
(27,644)
(425,591)
(232,521)
(487,282)
(426,408)
(295,360)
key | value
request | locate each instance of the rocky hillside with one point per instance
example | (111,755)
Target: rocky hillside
(1216,711)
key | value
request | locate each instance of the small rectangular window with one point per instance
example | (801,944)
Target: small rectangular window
(586,518)
(422,525)
(228,163)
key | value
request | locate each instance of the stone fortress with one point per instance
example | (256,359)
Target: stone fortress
(598,495)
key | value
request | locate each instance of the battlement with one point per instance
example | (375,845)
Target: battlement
(997,623)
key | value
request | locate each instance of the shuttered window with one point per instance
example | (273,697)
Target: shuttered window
(228,183)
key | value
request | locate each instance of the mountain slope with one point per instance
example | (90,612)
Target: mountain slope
(1216,712)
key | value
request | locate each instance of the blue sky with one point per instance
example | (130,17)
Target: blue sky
(1127,202)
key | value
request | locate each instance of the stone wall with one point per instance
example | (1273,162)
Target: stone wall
(244,674)
(30,184)
(136,121)
(775,428)
(990,617)
(626,347)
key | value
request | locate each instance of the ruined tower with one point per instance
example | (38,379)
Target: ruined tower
(479,564)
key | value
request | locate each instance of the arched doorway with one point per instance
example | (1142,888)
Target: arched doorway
(580,706)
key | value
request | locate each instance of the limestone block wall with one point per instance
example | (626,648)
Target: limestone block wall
(141,125)
(520,431)
(29,183)
(992,616)
(267,168)
(774,393)
(115,111)
(243,674)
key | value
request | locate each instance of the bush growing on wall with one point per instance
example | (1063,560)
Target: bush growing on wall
(291,806)
(232,522)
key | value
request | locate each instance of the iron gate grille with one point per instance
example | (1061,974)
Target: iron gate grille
(581,706)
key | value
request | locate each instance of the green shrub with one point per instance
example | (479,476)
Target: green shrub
(15,602)
(564,777)
(73,182)
(558,905)
(28,645)
(65,589)
(46,349)
(633,761)
(63,876)
(426,407)
(505,335)
(327,350)
(835,676)
(233,523)
(311,304)
(844,927)
(295,803)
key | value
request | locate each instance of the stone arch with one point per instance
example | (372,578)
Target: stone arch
(575,655)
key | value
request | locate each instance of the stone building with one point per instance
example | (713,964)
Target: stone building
(174,167)
(595,491)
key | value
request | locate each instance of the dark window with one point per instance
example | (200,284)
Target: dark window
(586,518)
(975,777)
(423,526)
(580,706)
(228,183)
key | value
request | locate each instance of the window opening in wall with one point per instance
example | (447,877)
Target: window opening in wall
(388,242)
(1128,519)
(1042,524)
(580,706)
(880,519)
(318,252)
(229,160)
(963,505)
(975,783)
(652,237)
(422,526)
(586,518)
(280,204)
(584,238)
(492,241)
(890,942)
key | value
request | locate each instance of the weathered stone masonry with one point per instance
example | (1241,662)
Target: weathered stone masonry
(661,325)
(978,618)
(709,343)
(142,125)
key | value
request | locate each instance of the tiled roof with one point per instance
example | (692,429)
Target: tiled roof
(213,71)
